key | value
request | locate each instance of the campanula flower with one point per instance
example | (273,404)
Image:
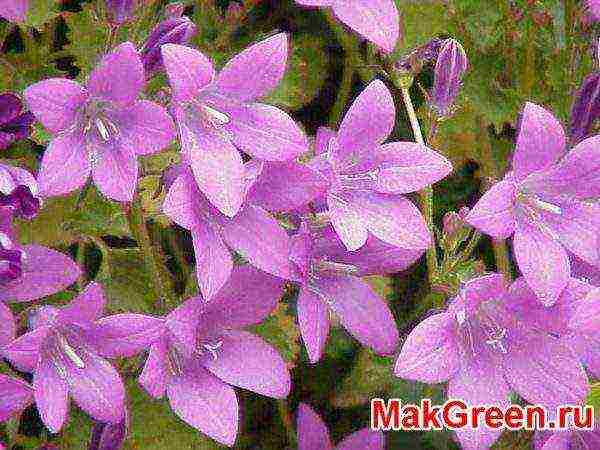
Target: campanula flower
(567,440)
(253,233)
(205,352)
(450,66)
(100,128)
(546,203)
(376,20)
(367,177)
(329,285)
(65,350)
(15,124)
(485,348)
(217,116)
(177,30)
(14,10)
(313,434)
(19,192)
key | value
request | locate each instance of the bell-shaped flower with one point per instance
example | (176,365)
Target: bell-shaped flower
(376,20)
(14,10)
(19,192)
(314,435)
(367,177)
(30,272)
(327,285)
(547,203)
(206,351)
(15,124)
(252,232)
(99,129)
(485,349)
(65,350)
(450,66)
(218,116)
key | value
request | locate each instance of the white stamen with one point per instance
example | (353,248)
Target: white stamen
(102,129)
(219,117)
(497,340)
(546,206)
(70,352)
(212,348)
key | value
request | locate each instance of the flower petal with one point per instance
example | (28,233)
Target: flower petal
(479,382)
(86,307)
(368,122)
(65,165)
(155,375)
(286,186)
(51,395)
(206,403)
(16,396)
(119,77)
(183,322)
(116,171)
(145,127)
(24,352)
(247,361)
(247,298)
(256,71)
(312,432)
(366,316)
(365,439)
(97,388)
(376,20)
(585,347)
(218,169)
(213,260)
(494,213)
(45,272)
(392,218)
(264,131)
(8,330)
(540,142)
(125,335)
(189,71)
(586,317)
(550,375)
(347,222)
(430,353)
(313,319)
(246,233)
(183,200)
(15,10)
(408,167)
(543,262)
(55,102)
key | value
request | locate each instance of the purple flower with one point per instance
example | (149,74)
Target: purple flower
(416,59)
(108,436)
(546,202)
(450,66)
(485,350)
(14,123)
(14,10)
(366,177)
(64,350)
(375,20)
(586,108)
(593,9)
(252,232)
(313,434)
(30,272)
(217,115)
(19,192)
(205,352)
(99,129)
(176,30)
(567,440)
(328,285)
(120,11)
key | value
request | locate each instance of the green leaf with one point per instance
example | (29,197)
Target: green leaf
(280,330)
(305,75)
(594,398)
(414,16)
(41,12)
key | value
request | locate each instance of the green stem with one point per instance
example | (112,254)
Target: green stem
(426,194)
(161,278)
(501,256)
(286,418)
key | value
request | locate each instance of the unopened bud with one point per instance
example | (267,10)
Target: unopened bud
(450,66)
(174,10)
(586,108)
(171,31)
(452,223)
(420,56)
(120,11)
(108,436)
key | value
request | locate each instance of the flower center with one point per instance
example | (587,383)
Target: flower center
(210,347)
(206,114)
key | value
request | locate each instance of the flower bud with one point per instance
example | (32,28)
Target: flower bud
(171,31)
(19,192)
(450,66)
(586,108)
(420,56)
(452,223)
(120,11)
(174,10)
(108,436)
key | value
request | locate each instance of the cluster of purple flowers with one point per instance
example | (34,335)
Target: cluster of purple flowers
(347,214)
